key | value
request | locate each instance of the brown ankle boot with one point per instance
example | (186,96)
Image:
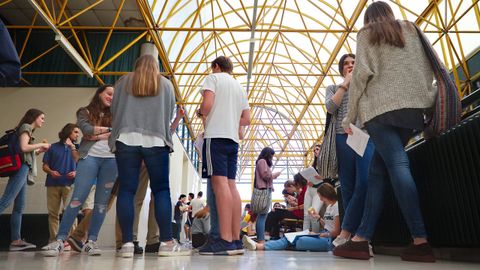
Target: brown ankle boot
(353,250)
(418,253)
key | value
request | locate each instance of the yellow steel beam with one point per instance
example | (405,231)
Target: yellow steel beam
(121,51)
(117,15)
(81,12)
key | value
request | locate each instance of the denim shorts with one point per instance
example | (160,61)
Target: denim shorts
(219,157)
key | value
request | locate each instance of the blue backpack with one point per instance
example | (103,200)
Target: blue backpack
(10,154)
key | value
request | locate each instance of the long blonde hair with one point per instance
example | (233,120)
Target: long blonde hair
(145,77)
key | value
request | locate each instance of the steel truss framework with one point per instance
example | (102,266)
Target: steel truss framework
(285,55)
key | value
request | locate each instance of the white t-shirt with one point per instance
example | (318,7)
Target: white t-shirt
(101,149)
(223,121)
(330,213)
(197,205)
(139,139)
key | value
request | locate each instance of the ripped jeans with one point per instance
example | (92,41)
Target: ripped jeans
(90,171)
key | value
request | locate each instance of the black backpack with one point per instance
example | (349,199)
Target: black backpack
(10,154)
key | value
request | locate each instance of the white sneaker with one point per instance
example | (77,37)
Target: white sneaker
(340,241)
(53,249)
(21,245)
(127,250)
(173,249)
(248,243)
(91,248)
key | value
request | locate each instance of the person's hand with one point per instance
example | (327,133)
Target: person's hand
(318,177)
(43,148)
(55,174)
(348,131)
(69,143)
(347,79)
(103,136)
(322,221)
(324,235)
(290,209)
(310,184)
(71,174)
(180,111)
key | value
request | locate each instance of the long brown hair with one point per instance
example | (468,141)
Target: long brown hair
(145,77)
(98,114)
(29,117)
(382,25)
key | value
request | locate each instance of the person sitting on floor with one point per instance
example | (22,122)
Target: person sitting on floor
(313,241)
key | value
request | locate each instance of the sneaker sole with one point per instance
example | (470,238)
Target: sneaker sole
(174,253)
(352,255)
(50,253)
(21,248)
(126,255)
(238,252)
(74,245)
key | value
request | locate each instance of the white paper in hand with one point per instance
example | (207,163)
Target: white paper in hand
(358,141)
(309,174)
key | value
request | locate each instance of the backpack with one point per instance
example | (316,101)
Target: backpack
(10,154)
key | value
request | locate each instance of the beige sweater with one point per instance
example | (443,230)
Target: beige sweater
(388,78)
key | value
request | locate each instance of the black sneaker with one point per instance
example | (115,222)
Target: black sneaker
(220,247)
(239,247)
(152,248)
(136,248)
(75,244)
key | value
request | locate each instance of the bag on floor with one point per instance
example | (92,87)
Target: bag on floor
(447,110)
(10,154)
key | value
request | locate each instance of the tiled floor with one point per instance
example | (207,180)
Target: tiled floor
(277,260)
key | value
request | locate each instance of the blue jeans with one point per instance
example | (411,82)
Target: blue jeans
(260,226)
(302,243)
(353,175)
(390,161)
(101,172)
(214,227)
(129,160)
(15,192)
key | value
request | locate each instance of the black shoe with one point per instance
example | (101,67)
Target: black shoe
(152,248)
(136,248)
(418,253)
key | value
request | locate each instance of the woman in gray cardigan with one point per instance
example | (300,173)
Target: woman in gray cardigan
(142,108)
(390,89)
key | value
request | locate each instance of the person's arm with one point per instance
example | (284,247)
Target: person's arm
(361,74)
(334,97)
(73,150)
(245,118)
(48,170)
(180,114)
(10,73)
(89,131)
(298,207)
(27,148)
(207,102)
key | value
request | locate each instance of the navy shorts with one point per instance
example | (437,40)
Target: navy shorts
(219,158)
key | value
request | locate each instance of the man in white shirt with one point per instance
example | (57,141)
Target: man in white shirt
(198,203)
(224,109)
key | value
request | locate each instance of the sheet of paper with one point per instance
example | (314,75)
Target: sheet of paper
(309,174)
(291,236)
(358,141)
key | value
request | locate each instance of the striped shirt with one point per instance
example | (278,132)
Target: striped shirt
(340,109)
